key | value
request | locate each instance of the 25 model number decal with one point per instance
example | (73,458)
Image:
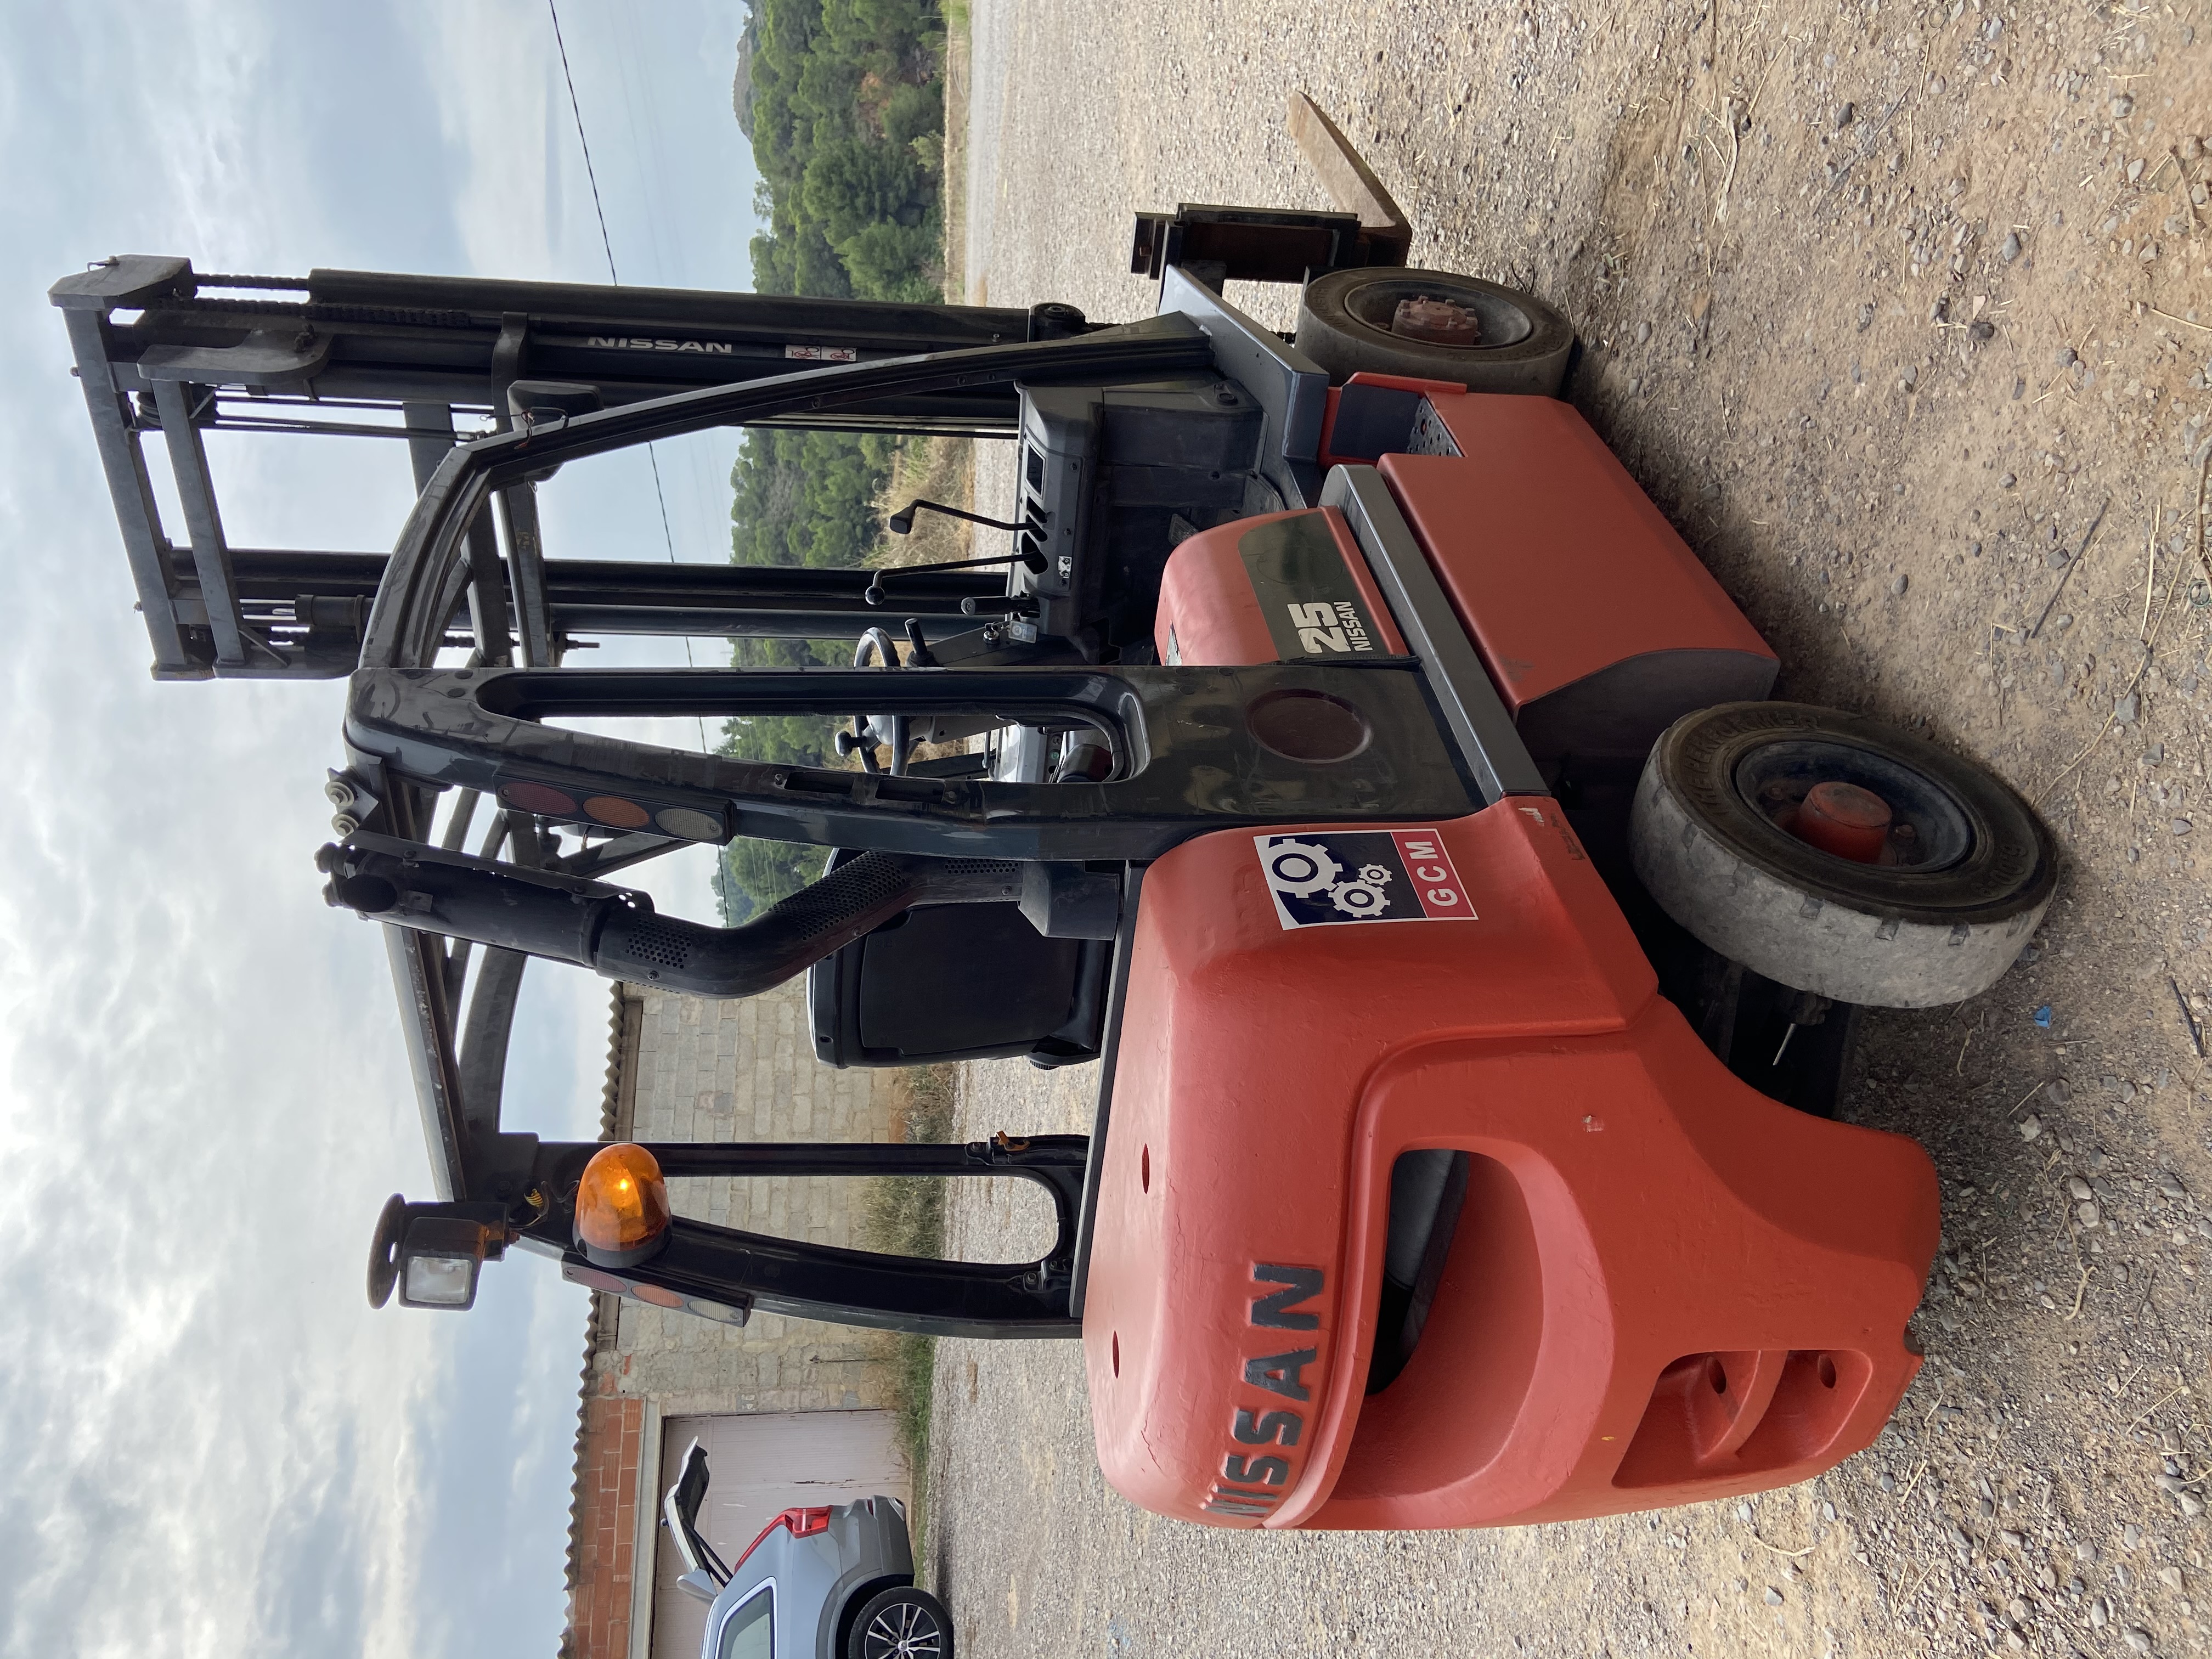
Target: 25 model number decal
(1325,627)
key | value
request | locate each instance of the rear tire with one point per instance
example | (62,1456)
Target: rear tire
(1344,325)
(1891,935)
(902,1622)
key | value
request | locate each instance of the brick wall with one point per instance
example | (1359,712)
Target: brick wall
(745,1071)
(683,1068)
(602,1528)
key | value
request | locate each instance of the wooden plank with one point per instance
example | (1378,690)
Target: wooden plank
(1351,183)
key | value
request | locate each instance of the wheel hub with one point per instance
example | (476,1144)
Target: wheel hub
(903,1631)
(1437,322)
(1843,819)
(1872,809)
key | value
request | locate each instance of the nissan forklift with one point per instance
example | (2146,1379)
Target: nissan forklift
(1344,759)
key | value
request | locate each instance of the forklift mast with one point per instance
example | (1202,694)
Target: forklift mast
(165,351)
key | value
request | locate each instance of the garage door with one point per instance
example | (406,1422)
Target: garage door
(762,1464)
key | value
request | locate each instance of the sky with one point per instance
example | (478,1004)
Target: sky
(212,1445)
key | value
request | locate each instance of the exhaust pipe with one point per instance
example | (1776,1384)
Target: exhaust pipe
(613,931)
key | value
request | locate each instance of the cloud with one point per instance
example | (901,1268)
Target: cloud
(491,72)
(202,1096)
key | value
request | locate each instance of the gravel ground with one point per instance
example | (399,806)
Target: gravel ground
(1886,308)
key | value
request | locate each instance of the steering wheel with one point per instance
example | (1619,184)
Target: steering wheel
(876,642)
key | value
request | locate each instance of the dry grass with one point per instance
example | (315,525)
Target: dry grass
(904,1215)
(936,470)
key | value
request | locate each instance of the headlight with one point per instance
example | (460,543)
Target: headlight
(432,1254)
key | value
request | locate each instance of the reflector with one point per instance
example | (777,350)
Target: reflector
(615,810)
(692,826)
(592,1278)
(724,1311)
(621,1207)
(538,798)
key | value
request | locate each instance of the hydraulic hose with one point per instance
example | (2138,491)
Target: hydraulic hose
(614,930)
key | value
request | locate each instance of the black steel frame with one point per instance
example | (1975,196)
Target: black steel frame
(737,1273)
(1186,760)
(424,582)
(161,349)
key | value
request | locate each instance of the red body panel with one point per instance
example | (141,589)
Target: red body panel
(1632,1205)
(1557,563)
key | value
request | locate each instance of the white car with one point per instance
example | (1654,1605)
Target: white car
(829,1582)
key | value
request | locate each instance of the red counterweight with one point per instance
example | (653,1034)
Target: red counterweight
(1596,621)
(1663,1286)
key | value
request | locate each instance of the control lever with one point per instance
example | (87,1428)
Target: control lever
(1029,559)
(901,522)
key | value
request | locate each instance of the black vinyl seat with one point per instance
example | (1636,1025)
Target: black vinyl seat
(959,982)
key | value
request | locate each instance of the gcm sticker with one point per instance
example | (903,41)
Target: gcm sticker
(1365,875)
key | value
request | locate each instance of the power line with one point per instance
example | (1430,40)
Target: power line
(652,452)
(577,110)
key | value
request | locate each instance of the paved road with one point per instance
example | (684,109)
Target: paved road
(1894,494)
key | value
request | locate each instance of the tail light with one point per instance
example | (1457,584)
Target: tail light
(801,1523)
(805,1523)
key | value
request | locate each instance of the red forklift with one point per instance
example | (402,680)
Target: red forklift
(1346,757)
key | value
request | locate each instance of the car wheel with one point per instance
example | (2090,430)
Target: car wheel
(900,1623)
(1838,855)
(1352,322)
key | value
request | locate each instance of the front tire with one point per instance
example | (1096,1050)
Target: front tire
(1344,326)
(1937,920)
(903,1622)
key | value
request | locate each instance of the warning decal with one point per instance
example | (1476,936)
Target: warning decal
(1363,875)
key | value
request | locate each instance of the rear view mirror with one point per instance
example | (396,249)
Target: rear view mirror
(700,1584)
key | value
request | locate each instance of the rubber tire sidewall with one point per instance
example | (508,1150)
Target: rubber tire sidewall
(1338,341)
(1850,933)
(853,1650)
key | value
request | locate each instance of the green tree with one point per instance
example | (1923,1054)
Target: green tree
(844,102)
(887,262)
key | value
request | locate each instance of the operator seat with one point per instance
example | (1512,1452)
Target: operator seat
(958,982)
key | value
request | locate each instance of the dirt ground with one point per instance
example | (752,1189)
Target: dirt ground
(1903,316)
